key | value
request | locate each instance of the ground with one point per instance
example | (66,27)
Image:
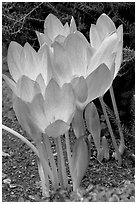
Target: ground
(103,181)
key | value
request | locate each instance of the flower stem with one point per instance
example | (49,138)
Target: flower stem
(111,131)
(68,151)
(44,180)
(22,138)
(59,163)
(51,158)
(62,168)
(117,115)
(46,168)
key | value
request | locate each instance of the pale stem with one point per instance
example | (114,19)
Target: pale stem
(44,180)
(68,151)
(117,114)
(110,130)
(65,178)
(46,168)
(51,158)
(13,132)
(62,162)
(59,163)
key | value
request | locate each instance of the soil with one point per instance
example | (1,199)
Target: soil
(104,181)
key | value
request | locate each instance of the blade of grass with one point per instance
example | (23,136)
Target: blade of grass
(111,131)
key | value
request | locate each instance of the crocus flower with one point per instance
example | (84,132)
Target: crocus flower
(104,28)
(71,64)
(40,104)
(54,30)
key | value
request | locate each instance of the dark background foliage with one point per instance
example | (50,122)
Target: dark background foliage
(20,20)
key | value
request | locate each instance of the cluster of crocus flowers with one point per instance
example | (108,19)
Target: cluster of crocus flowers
(53,86)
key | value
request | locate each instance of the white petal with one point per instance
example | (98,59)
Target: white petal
(73,26)
(98,82)
(104,53)
(43,38)
(105,26)
(41,83)
(29,62)
(37,112)
(80,88)
(45,64)
(95,40)
(77,52)
(78,123)
(62,66)
(57,128)
(13,59)
(59,102)
(53,27)
(26,121)
(80,161)
(27,89)
(60,39)
(66,30)
(119,57)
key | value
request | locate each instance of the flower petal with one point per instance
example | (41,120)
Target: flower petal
(120,33)
(119,57)
(73,26)
(104,53)
(42,38)
(93,123)
(57,128)
(13,59)
(59,102)
(23,115)
(80,88)
(60,39)
(27,89)
(80,161)
(105,26)
(95,40)
(78,123)
(37,112)
(119,50)
(77,52)
(53,27)
(45,64)
(29,62)
(62,66)
(98,82)
(41,83)
(66,29)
